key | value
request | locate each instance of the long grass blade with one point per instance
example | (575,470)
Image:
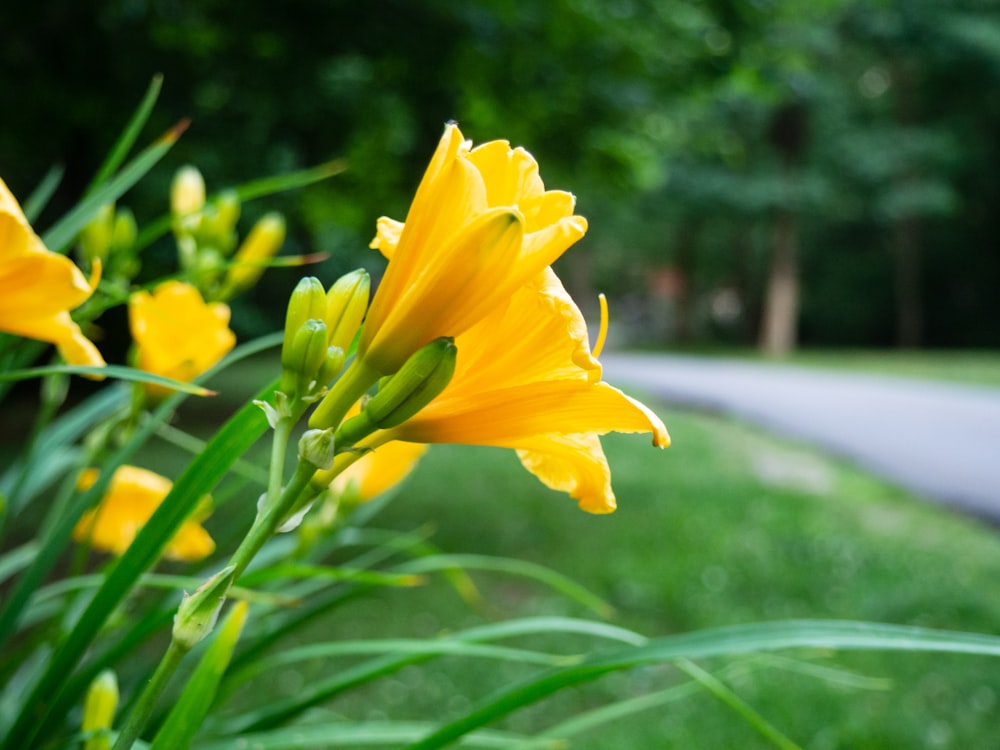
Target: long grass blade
(62,233)
(232,440)
(42,194)
(111,371)
(745,639)
(129,136)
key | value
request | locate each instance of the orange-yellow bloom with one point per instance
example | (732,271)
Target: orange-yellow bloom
(526,379)
(480,226)
(178,334)
(378,470)
(38,288)
(132,497)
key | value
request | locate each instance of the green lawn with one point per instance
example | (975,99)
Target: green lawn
(727,526)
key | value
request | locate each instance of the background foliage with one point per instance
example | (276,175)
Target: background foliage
(694,132)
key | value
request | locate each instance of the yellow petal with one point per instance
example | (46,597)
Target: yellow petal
(380,469)
(131,499)
(574,464)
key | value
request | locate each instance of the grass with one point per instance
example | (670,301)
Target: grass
(728,526)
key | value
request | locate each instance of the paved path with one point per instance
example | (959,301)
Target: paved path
(939,440)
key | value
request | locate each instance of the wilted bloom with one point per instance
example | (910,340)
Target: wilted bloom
(132,497)
(526,379)
(480,226)
(178,335)
(38,288)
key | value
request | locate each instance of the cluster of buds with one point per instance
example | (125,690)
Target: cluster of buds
(319,328)
(205,231)
(109,239)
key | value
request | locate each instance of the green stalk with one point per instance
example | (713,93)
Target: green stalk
(140,713)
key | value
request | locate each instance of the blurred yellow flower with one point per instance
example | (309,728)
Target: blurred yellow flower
(38,288)
(480,226)
(377,471)
(526,379)
(132,497)
(178,334)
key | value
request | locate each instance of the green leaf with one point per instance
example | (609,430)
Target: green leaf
(64,231)
(110,371)
(281,711)
(740,639)
(231,441)
(540,573)
(196,699)
(42,194)
(357,734)
(128,137)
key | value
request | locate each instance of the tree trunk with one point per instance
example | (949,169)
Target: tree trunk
(779,327)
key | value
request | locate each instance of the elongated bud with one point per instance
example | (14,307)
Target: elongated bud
(317,447)
(306,356)
(347,302)
(262,244)
(125,230)
(227,211)
(97,236)
(421,378)
(198,612)
(307,301)
(99,711)
(187,192)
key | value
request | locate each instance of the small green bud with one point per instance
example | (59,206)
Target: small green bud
(227,211)
(306,356)
(317,447)
(187,192)
(419,381)
(96,238)
(308,300)
(124,232)
(347,302)
(198,612)
(99,711)
(333,364)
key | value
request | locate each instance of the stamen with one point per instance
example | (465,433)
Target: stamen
(602,334)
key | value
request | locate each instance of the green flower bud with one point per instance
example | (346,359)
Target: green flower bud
(306,356)
(347,302)
(419,381)
(198,612)
(227,211)
(317,447)
(96,237)
(124,232)
(333,364)
(307,301)
(99,711)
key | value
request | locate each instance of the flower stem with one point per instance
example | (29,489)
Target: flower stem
(351,386)
(140,713)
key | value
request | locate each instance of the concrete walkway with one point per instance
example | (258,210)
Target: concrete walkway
(939,440)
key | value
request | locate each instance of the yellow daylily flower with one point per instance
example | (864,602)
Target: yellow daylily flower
(480,226)
(38,288)
(527,379)
(132,497)
(178,334)
(377,471)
